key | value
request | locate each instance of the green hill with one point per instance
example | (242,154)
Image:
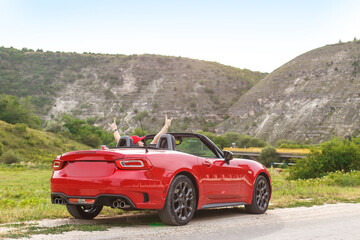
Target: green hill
(33,147)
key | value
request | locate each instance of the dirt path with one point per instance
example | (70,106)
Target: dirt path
(337,221)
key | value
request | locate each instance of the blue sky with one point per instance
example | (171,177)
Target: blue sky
(257,35)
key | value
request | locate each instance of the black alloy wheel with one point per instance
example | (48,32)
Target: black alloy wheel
(84,212)
(261,196)
(180,203)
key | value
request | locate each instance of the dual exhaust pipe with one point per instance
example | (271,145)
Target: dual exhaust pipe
(59,201)
(120,204)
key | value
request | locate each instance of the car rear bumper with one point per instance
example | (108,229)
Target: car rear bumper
(140,191)
(103,199)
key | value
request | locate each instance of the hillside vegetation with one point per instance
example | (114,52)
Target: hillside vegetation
(33,147)
(196,93)
(14,110)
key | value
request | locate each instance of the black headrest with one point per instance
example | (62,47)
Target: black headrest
(166,141)
(125,141)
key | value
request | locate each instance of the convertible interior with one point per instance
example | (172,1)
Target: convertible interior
(186,142)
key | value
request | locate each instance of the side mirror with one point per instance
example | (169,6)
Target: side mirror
(228,156)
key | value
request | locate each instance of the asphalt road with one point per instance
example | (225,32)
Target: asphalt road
(334,221)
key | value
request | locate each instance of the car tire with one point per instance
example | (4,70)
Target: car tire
(84,212)
(180,203)
(261,196)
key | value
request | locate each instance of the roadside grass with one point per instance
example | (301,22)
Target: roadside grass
(25,196)
(26,230)
(334,188)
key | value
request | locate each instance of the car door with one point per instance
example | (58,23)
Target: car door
(221,181)
(218,181)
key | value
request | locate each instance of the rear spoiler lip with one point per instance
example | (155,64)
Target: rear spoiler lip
(92,155)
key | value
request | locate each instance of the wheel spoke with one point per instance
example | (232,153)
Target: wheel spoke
(184,188)
(185,212)
(176,197)
(258,199)
(176,210)
(189,210)
(189,192)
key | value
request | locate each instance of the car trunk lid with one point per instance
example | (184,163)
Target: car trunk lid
(92,155)
(94,163)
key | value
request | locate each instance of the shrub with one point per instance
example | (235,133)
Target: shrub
(91,140)
(31,142)
(139,132)
(21,127)
(308,167)
(81,131)
(209,90)
(335,155)
(282,143)
(10,157)
(349,179)
(1,148)
(91,120)
(140,116)
(242,140)
(268,155)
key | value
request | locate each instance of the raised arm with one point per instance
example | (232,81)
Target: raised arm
(163,130)
(114,129)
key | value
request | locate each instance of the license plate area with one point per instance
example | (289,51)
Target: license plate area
(82,200)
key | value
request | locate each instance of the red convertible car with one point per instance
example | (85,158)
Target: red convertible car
(182,173)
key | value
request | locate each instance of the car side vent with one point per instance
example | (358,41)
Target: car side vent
(146,198)
(166,141)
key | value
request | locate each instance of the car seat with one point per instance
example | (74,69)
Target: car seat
(166,141)
(125,141)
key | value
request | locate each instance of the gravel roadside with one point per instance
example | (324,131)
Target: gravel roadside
(334,221)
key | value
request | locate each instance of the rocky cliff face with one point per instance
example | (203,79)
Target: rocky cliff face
(309,99)
(193,92)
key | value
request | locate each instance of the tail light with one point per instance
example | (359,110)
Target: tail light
(133,164)
(58,163)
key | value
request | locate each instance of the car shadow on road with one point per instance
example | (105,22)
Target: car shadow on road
(151,218)
(219,213)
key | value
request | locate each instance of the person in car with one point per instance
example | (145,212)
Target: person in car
(137,139)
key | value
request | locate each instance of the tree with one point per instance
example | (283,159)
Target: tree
(140,117)
(91,140)
(268,155)
(14,110)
